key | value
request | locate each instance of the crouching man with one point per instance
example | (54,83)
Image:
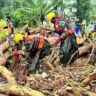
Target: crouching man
(37,47)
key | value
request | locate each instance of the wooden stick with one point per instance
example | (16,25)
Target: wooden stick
(89,79)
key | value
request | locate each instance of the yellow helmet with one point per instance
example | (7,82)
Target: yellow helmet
(18,37)
(84,22)
(50,16)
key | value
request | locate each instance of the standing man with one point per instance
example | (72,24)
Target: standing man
(10,26)
(77,30)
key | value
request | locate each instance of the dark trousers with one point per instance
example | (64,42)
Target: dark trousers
(33,60)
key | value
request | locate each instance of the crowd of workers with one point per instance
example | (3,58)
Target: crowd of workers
(66,35)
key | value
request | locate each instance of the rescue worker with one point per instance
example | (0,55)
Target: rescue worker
(36,48)
(55,20)
(90,26)
(68,39)
(18,38)
(83,30)
(16,51)
(93,31)
(77,30)
(10,26)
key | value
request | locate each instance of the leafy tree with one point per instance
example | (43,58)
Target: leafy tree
(33,11)
(83,7)
(92,12)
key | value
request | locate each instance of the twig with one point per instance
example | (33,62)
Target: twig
(90,41)
(90,56)
(55,58)
(72,57)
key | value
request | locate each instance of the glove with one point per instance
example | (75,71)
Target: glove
(15,53)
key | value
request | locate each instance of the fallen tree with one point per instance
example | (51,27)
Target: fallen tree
(17,90)
(82,51)
(7,74)
(85,49)
(12,88)
(3,48)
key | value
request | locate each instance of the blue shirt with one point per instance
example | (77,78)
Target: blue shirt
(77,31)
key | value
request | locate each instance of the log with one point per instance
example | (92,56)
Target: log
(85,49)
(13,89)
(16,90)
(42,27)
(91,93)
(7,74)
(82,51)
(2,60)
(4,46)
(89,79)
(49,65)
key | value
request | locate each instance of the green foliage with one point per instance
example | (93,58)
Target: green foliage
(92,12)
(33,12)
(30,12)
(83,7)
(2,36)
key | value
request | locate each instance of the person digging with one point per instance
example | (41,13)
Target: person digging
(68,39)
(36,48)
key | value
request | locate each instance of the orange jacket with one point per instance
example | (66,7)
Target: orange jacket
(70,31)
(38,41)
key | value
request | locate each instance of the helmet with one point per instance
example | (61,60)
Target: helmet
(84,22)
(77,22)
(18,37)
(50,16)
(8,17)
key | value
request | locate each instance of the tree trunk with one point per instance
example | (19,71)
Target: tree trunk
(16,90)
(7,74)
(85,49)
(13,89)
(3,48)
